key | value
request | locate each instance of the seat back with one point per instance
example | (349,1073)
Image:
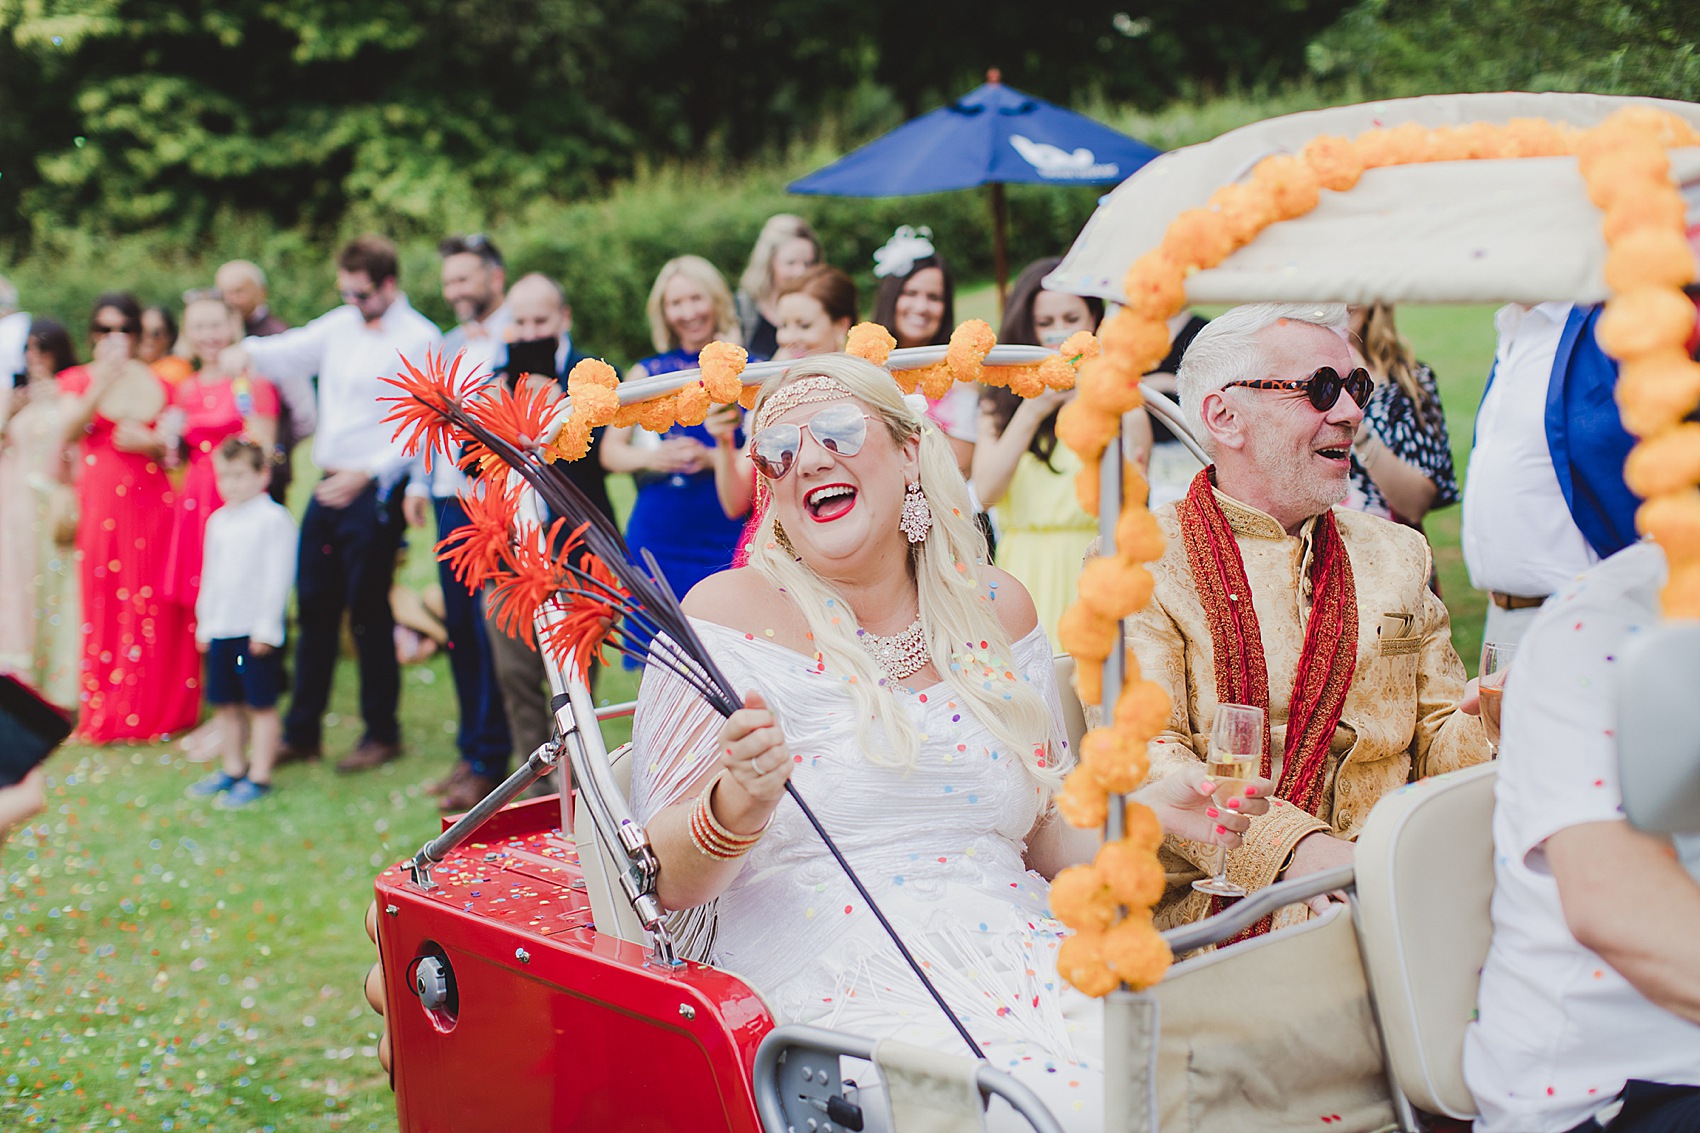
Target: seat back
(1658,729)
(1425,880)
(609,907)
(1273,1033)
(1074,715)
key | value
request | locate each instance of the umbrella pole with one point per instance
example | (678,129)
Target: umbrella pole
(1000,260)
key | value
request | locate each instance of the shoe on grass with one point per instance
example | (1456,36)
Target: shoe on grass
(212,786)
(368,755)
(243,792)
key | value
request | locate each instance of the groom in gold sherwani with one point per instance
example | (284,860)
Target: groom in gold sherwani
(1268,594)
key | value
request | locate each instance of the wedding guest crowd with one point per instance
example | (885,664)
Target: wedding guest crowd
(110,473)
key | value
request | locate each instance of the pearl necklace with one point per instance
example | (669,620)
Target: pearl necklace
(901,655)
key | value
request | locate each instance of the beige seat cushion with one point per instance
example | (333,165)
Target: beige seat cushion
(1425,879)
(609,908)
(1274,1033)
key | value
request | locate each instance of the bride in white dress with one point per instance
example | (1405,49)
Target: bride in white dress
(906,688)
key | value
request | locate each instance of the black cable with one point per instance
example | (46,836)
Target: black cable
(791,789)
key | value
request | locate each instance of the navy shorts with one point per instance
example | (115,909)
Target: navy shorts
(235,676)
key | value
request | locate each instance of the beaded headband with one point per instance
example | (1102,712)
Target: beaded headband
(816,387)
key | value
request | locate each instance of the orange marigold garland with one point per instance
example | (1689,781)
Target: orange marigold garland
(1645,326)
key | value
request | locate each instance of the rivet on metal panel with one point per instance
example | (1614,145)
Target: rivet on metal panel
(522,955)
(687,1012)
(392,910)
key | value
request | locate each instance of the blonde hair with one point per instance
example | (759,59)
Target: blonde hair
(1389,355)
(967,641)
(708,277)
(757,280)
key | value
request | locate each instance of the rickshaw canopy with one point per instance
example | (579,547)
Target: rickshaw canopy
(1481,231)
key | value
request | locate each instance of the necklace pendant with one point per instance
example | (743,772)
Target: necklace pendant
(901,655)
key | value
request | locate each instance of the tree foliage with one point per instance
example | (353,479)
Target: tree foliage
(1406,47)
(138,115)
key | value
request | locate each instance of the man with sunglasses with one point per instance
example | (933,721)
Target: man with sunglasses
(1268,594)
(353,526)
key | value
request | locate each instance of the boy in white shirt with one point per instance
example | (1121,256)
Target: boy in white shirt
(249,567)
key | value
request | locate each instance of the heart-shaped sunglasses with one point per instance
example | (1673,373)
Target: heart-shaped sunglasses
(840,429)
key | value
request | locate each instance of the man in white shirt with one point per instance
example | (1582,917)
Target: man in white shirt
(474,282)
(354,524)
(1589,1008)
(1545,498)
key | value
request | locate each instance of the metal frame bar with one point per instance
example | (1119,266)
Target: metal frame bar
(1247,911)
(1162,407)
(784,1040)
(909,358)
(538,764)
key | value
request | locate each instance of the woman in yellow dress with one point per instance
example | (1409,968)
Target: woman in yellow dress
(1019,468)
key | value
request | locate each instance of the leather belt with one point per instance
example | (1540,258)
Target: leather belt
(1515,601)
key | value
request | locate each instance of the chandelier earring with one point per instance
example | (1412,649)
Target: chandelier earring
(917,518)
(783,540)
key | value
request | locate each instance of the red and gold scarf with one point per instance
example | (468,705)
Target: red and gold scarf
(1326,663)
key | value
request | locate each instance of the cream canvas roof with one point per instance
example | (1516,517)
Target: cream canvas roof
(1446,232)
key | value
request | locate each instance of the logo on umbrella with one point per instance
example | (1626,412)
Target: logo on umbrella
(1056,164)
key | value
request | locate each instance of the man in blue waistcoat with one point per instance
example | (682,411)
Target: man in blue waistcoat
(1545,497)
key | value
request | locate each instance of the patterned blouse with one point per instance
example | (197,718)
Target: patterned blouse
(1417,439)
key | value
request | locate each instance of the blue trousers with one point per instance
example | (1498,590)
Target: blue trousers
(483,735)
(347,564)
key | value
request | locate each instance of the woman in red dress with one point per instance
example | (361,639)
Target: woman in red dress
(207,408)
(140,671)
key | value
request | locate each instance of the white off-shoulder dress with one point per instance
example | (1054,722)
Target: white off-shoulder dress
(939,845)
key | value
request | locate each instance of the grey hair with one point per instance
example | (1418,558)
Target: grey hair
(8,296)
(1227,350)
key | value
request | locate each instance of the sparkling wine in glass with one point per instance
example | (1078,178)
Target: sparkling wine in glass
(1236,751)
(1496,662)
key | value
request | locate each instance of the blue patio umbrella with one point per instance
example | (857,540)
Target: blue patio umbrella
(993,135)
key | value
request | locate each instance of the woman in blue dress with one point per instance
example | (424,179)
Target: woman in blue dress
(678,517)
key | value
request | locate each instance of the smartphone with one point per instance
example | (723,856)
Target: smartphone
(533,356)
(30,728)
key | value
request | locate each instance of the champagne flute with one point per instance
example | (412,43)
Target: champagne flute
(1496,661)
(1236,751)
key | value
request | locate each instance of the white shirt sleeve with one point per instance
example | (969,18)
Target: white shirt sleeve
(290,360)
(211,552)
(1558,759)
(275,576)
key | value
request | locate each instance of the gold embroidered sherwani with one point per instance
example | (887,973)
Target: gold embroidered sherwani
(1398,723)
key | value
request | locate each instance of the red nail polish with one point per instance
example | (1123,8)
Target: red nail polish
(1221,830)
(1233,804)
(1211,812)
(1251,792)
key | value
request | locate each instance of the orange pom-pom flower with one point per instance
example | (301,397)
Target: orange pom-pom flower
(870,342)
(1080,961)
(1135,952)
(1080,899)
(721,363)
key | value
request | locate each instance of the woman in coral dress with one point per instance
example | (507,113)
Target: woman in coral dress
(140,671)
(207,408)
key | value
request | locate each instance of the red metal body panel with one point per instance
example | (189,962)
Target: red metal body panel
(583,1035)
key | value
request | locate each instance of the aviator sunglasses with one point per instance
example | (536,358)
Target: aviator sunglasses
(1323,387)
(839,429)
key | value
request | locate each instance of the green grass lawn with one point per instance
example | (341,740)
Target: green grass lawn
(168,966)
